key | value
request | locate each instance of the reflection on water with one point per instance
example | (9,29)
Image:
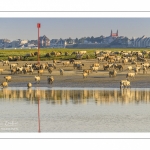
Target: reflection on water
(57,96)
(64,110)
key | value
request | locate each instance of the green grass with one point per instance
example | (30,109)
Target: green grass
(22,52)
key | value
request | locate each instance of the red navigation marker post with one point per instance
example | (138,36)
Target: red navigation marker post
(38,26)
(39,130)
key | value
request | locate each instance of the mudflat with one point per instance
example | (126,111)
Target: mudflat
(74,77)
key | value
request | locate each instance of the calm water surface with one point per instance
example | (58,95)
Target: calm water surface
(74,110)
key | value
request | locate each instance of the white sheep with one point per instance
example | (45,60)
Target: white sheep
(95,69)
(40,72)
(66,63)
(37,79)
(5,62)
(124,83)
(4,84)
(85,75)
(13,65)
(129,68)
(8,78)
(29,85)
(132,75)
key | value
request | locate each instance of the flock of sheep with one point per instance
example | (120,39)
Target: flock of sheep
(109,60)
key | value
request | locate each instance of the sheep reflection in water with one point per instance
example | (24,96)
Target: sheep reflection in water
(83,96)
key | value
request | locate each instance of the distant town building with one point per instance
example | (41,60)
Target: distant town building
(16,43)
(23,42)
(44,41)
(141,42)
(55,43)
(114,34)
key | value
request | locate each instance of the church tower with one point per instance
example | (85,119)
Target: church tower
(114,34)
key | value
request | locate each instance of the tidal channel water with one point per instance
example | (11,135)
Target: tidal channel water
(74,110)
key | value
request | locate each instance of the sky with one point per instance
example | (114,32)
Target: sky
(55,28)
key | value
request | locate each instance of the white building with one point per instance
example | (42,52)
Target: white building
(55,43)
(142,42)
(23,42)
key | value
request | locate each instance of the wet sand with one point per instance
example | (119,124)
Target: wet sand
(73,77)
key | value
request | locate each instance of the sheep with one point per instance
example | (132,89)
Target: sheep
(8,78)
(97,52)
(74,53)
(58,54)
(19,69)
(120,67)
(52,65)
(118,58)
(13,71)
(137,69)
(28,65)
(129,68)
(139,54)
(112,73)
(66,53)
(134,62)
(1,70)
(30,70)
(132,75)
(35,53)
(147,65)
(13,65)
(61,72)
(125,60)
(36,66)
(79,66)
(144,70)
(29,85)
(53,53)
(47,55)
(50,79)
(54,61)
(125,83)
(101,58)
(66,63)
(29,55)
(106,66)
(111,60)
(85,75)
(43,66)
(79,56)
(141,59)
(5,62)
(81,52)
(95,69)
(71,61)
(10,58)
(50,69)
(37,79)
(27,70)
(95,65)
(87,71)
(4,84)
(40,72)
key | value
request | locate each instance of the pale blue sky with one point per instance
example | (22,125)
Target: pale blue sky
(25,28)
